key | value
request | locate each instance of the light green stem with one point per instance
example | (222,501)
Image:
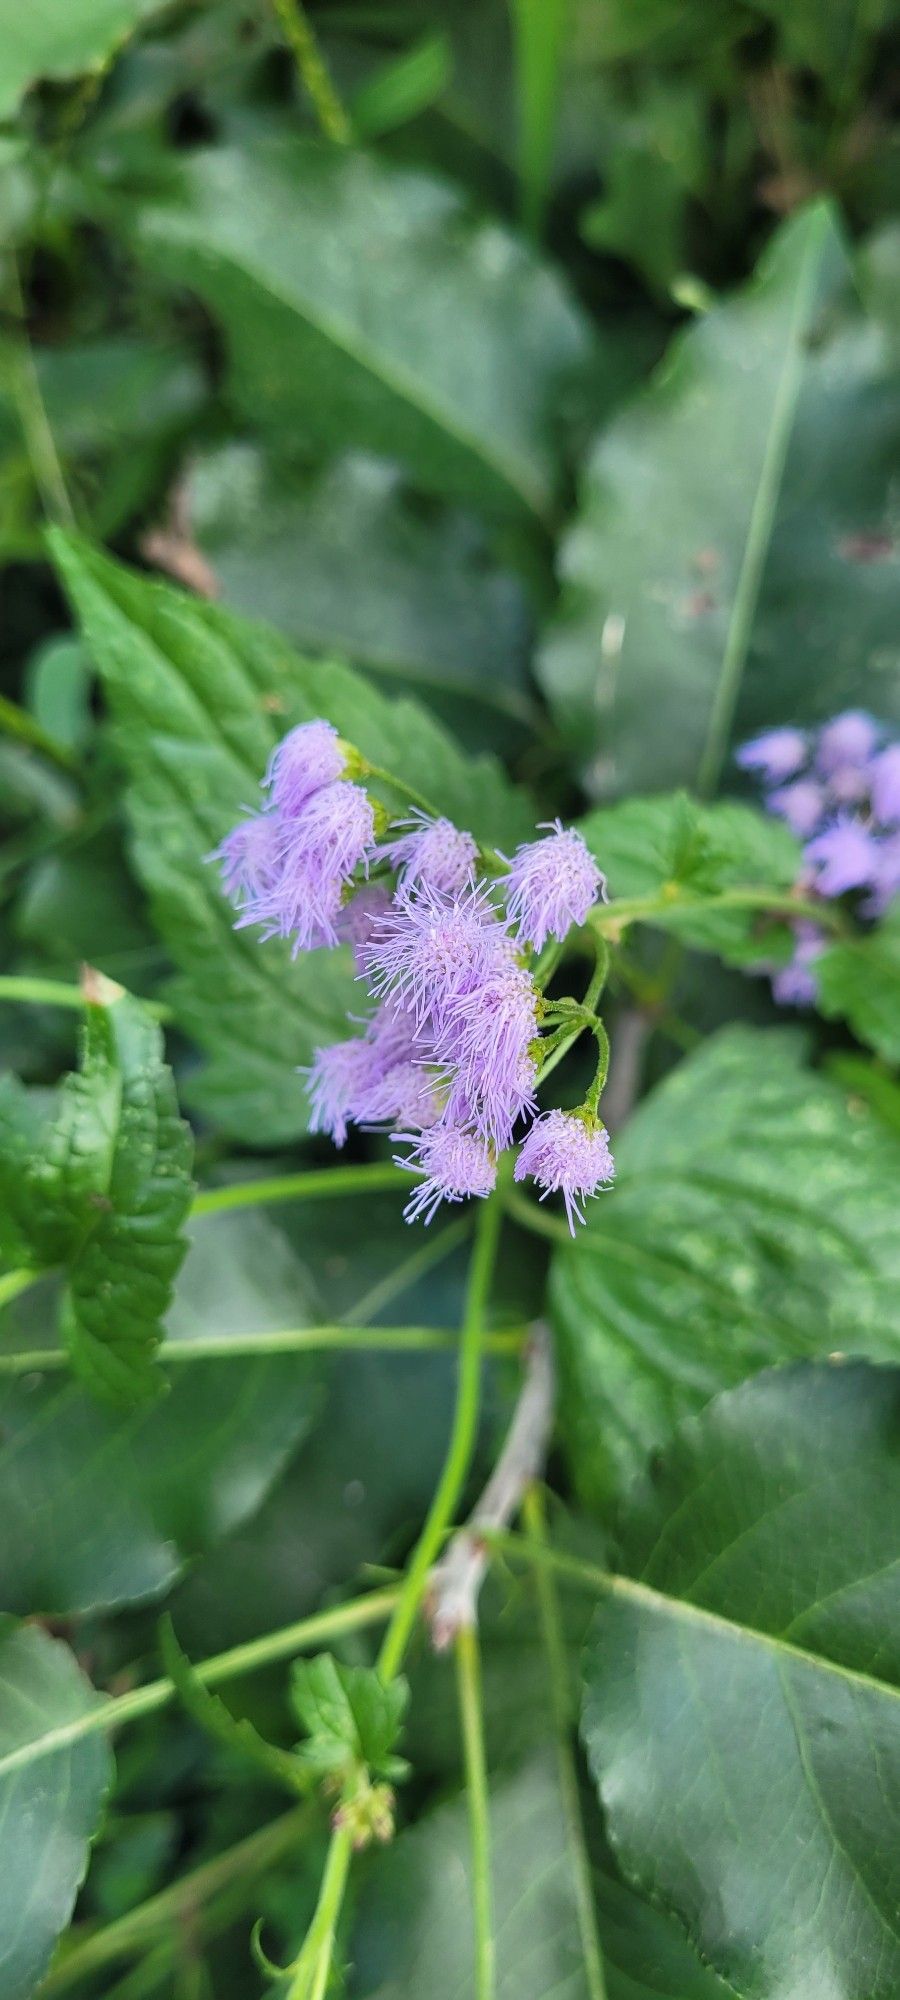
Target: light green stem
(468,1682)
(311,69)
(462,1440)
(312,1969)
(128,1935)
(14,1282)
(117,1710)
(591,1952)
(35,424)
(608,918)
(17,722)
(537,1219)
(324,1181)
(290,1340)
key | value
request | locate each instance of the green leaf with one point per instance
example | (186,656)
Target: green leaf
(40,41)
(413,1933)
(235,1733)
(742,1711)
(350,1714)
(103,1508)
(23,1120)
(124,1158)
(752,1221)
(199,699)
(342,562)
(674,847)
(859,981)
(403,87)
(48,1814)
(720,575)
(364,306)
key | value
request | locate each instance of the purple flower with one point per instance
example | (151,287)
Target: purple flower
(358,918)
(429,949)
(886,877)
(307,758)
(795,984)
(849,739)
(552,884)
(567,1152)
(484,1035)
(251,857)
(328,840)
(802,804)
(777,754)
(885,783)
(371,1078)
(454,1163)
(434,853)
(844,856)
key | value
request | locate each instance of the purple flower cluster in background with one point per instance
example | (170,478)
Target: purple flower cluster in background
(448,1059)
(838,789)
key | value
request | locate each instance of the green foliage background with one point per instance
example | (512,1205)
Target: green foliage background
(515,383)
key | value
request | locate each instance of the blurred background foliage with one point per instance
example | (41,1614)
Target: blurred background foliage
(443,392)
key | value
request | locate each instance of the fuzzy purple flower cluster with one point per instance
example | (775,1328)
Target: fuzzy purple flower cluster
(838,789)
(448,1056)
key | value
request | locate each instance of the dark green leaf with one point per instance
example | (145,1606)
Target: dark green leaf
(342,562)
(859,981)
(350,1714)
(364,307)
(413,1935)
(200,698)
(673,847)
(742,1711)
(49,1811)
(729,567)
(753,1220)
(106,1509)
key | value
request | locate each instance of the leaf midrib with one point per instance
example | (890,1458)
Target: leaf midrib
(394,377)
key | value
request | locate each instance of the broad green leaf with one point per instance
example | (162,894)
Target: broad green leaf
(342,562)
(41,40)
(742,1707)
(859,981)
(23,1118)
(673,848)
(199,699)
(413,1934)
(102,1508)
(48,1813)
(365,307)
(752,1220)
(722,573)
(350,1716)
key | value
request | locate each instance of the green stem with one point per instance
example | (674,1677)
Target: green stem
(431,1251)
(32,413)
(565,1039)
(324,1181)
(462,1439)
(14,1282)
(608,918)
(126,1936)
(468,1683)
(117,1710)
(312,1969)
(16,721)
(56,993)
(538,1220)
(293,1340)
(311,69)
(762,520)
(450,1485)
(416,798)
(592,1956)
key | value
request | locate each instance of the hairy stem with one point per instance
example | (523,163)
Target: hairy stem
(468,1683)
